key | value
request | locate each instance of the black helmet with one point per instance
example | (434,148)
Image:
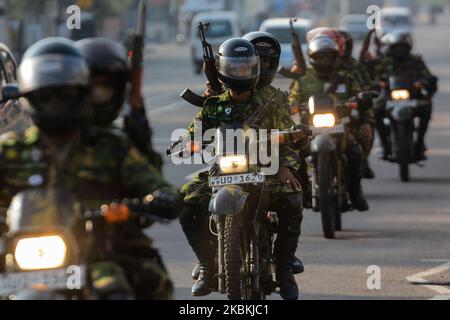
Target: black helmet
(269,51)
(398,44)
(238,64)
(110,72)
(54,78)
(348,41)
(323,52)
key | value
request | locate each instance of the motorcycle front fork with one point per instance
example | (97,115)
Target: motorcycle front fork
(311,162)
(391,132)
(220,254)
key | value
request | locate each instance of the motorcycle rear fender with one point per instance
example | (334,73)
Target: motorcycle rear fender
(228,201)
(323,143)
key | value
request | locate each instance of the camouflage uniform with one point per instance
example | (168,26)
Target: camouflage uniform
(413,68)
(97,168)
(359,72)
(197,192)
(348,87)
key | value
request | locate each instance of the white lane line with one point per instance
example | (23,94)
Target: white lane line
(419,278)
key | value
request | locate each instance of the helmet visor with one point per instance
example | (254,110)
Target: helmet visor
(239,68)
(52,71)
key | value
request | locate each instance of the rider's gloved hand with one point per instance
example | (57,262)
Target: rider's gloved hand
(164,203)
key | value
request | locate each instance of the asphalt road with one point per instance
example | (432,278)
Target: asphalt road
(406,233)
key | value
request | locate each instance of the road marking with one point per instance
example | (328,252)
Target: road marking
(419,278)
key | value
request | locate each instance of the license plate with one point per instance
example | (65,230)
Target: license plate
(236,179)
(401,103)
(58,279)
(336,129)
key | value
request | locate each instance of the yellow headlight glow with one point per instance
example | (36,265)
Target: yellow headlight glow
(400,94)
(40,253)
(324,120)
(311,105)
(233,164)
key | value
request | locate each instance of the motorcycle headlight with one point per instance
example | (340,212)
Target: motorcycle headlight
(400,94)
(324,120)
(40,253)
(233,164)
(311,105)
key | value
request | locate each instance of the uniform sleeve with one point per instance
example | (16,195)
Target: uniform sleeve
(139,178)
(366,114)
(425,74)
(191,127)
(282,120)
(423,70)
(203,117)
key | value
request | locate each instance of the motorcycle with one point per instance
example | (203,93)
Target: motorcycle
(240,215)
(404,103)
(327,162)
(53,249)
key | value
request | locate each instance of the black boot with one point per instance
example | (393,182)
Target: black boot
(196,271)
(297,266)
(205,281)
(420,151)
(368,172)
(290,221)
(358,199)
(194,221)
(288,286)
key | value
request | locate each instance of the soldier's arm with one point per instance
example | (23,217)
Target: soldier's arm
(364,103)
(203,117)
(141,179)
(425,74)
(282,121)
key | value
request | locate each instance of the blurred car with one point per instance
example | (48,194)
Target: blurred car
(355,25)
(395,19)
(223,25)
(280,28)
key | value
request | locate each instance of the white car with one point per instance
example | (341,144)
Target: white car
(280,28)
(223,26)
(395,19)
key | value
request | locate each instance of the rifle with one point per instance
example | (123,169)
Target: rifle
(209,68)
(366,45)
(209,62)
(136,123)
(193,98)
(298,54)
(136,56)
